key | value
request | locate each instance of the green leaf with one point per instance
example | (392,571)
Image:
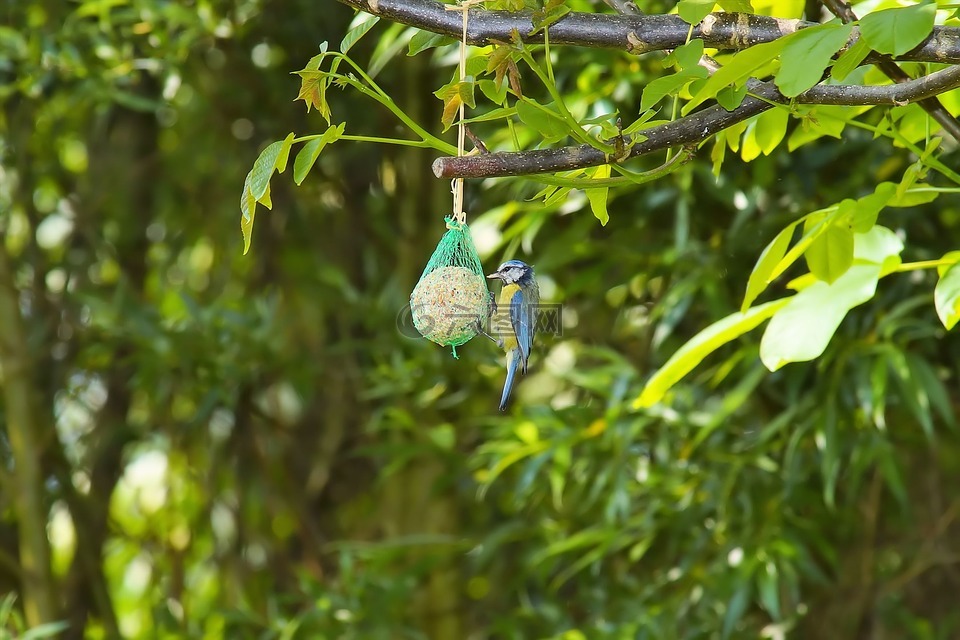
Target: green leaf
(559,195)
(284,155)
(645,121)
(807,55)
(738,69)
(912,392)
(731,97)
(584,538)
(493,114)
(951,256)
(502,64)
(878,385)
(768,586)
(821,120)
(700,346)
(46,630)
(509,459)
(803,328)
(598,197)
(826,439)
(868,208)
(134,101)
(423,40)
(762,272)
(736,6)
(265,199)
(551,12)
(467,90)
(263,169)
(313,91)
(311,151)
(913,198)
(6,607)
(357,32)
(896,31)
(771,128)
(506,5)
(910,176)
(734,134)
(890,470)
(389,44)
(455,93)
(718,152)
(946,297)
(815,223)
(638,550)
(546,121)
(736,608)
(831,254)
(658,89)
(877,247)
(935,387)
(850,59)
(248,209)
(694,11)
(592,557)
(494,92)
(686,56)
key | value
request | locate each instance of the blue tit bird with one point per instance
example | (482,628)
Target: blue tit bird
(514,318)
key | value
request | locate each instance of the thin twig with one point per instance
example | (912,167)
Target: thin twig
(477,142)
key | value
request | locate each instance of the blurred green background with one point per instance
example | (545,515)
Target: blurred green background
(211,445)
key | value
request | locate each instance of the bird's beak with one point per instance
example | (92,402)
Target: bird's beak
(493,276)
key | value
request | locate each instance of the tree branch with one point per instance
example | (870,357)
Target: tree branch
(694,128)
(843,10)
(632,33)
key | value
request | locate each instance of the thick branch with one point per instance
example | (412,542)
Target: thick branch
(633,33)
(694,128)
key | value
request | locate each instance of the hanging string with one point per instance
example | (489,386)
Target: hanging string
(463,7)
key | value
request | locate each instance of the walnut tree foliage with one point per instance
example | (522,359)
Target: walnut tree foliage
(843,245)
(773,98)
(745,426)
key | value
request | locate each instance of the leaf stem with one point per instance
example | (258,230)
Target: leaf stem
(924,264)
(376,93)
(627,178)
(575,130)
(423,144)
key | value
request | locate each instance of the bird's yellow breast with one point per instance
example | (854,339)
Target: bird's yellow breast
(502,324)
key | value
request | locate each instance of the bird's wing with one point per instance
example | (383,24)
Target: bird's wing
(521,317)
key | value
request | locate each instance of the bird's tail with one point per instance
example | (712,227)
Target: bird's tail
(513,362)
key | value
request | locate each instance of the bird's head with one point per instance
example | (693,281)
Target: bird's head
(513,272)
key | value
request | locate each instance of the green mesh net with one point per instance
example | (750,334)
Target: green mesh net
(451,298)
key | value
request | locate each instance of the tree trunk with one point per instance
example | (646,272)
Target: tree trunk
(23,423)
